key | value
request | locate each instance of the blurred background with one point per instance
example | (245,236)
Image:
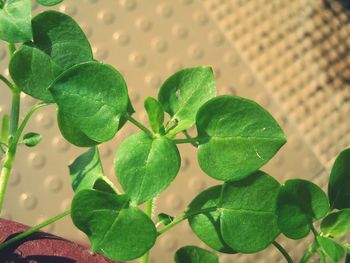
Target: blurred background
(292,57)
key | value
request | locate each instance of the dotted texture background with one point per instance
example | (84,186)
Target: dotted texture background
(292,57)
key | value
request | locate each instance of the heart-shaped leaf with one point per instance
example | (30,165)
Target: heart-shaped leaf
(33,71)
(49,2)
(61,38)
(336,224)
(145,166)
(300,202)
(183,93)
(93,96)
(155,114)
(339,181)
(248,213)
(207,225)
(332,249)
(15,17)
(193,254)
(237,137)
(31,139)
(115,229)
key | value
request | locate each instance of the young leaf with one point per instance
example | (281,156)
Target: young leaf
(15,17)
(165,219)
(300,202)
(104,185)
(339,181)
(33,71)
(248,221)
(336,224)
(207,225)
(31,139)
(86,170)
(49,2)
(145,166)
(193,254)
(61,38)
(5,123)
(184,92)
(237,137)
(332,249)
(155,114)
(115,229)
(93,96)
(71,132)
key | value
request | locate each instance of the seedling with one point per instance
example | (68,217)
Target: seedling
(51,60)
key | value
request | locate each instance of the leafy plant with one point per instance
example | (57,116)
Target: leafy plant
(51,60)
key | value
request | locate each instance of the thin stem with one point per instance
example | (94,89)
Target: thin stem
(7,82)
(148,211)
(34,229)
(195,144)
(314,231)
(186,140)
(15,108)
(12,48)
(283,252)
(139,125)
(322,256)
(309,252)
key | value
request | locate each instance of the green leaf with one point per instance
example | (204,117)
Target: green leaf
(193,254)
(300,202)
(71,132)
(145,166)
(103,184)
(248,213)
(93,96)
(155,114)
(237,137)
(5,124)
(336,224)
(86,170)
(339,181)
(165,219)
(49,2)
(332,249)
(15,19)
(31,139)
(33,71)
(207,225)
(115,229)
(61,38)
(185,92)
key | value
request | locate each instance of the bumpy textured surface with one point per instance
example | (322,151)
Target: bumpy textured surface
(290,56)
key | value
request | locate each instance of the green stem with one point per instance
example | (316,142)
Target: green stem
(34,229)
(139,125)
(7,82)
(184,217)
(15,108)
(309,252)
(186,140)
(195,144)
(283,252)
(12,48)
(148,211)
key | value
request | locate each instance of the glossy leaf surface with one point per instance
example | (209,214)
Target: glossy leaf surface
(193,254)
(115,229)
(300,202)
(49,2)
(237,137)
(145,166)
(155,114)
(332,249)
(336,224)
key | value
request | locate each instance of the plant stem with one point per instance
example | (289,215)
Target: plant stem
(186,140)
(7,82)
(195,144)
(283,252)
(12,48)
(34,229)
(15,108)
(148,211)
(139,125)
(309,252)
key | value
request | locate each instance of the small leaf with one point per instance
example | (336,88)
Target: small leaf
(103,184)
(15,17)
(31,139)
(336,224)
(237,137)
(86,170)
(248,220)
(332,249)
(145,166)
(339,181)
(61,38)
(93,96)
(165,219)
(49,2)
(155,114)
(5,124)
(33,71)
(115,229)
(185,92)
(300,202)
(193,254)
(207,225)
